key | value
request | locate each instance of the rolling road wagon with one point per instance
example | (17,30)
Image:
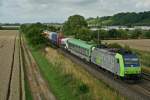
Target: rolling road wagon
(80,48)
(55,38)
(63,43)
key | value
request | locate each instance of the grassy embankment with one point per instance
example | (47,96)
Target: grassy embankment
(69,81)
(144,59)
(27,91)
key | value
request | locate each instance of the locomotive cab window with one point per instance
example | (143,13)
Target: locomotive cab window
(131,62)
(118,61)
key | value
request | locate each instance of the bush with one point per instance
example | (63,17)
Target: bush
(147,34)
(114,45)
(126,47)
(84,34)
(33,34)
(83,88)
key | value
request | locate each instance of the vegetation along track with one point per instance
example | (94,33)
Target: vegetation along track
(15,90)
(133,91)
(39,87)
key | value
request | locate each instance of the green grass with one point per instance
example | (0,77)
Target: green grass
(27,91)
(65,87)
(144,57)
(144,60)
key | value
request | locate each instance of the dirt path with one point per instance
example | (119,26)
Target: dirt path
(39,87)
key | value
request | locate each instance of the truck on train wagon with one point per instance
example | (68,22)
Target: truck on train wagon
(63,43)
(55,38)
(119,62)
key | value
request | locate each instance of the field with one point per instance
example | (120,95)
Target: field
(140,44)
(9,65)
(13,84)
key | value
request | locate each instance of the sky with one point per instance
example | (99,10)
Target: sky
(51,11)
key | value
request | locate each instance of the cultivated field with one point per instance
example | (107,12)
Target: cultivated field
(10,74)
(7,39)
(141,44)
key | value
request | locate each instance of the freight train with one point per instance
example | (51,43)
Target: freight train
(119,62)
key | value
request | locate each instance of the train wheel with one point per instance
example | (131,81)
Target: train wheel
(115,76)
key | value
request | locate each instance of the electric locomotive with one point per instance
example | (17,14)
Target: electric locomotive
(122,63)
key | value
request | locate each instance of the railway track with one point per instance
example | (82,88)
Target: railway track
(15,90)
(136,91)
(146,76)
(38,86)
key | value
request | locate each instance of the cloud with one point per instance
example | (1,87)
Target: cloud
(78,2)
(60,10)
(145,3)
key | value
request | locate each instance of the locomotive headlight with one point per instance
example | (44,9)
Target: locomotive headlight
(131,65)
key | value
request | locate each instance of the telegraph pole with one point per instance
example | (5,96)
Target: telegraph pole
(98,30)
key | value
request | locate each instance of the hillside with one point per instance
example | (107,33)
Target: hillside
(128,19)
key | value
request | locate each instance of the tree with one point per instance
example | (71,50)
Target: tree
(103,34)
(128,19)
(123,34)
(33,33)
(147,34)
(84,34)
(73,24)
(114,33)
(135,34)
(52,28)
(0,28)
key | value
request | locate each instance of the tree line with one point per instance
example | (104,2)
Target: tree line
(126,19)
(33,32)
(77,27)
